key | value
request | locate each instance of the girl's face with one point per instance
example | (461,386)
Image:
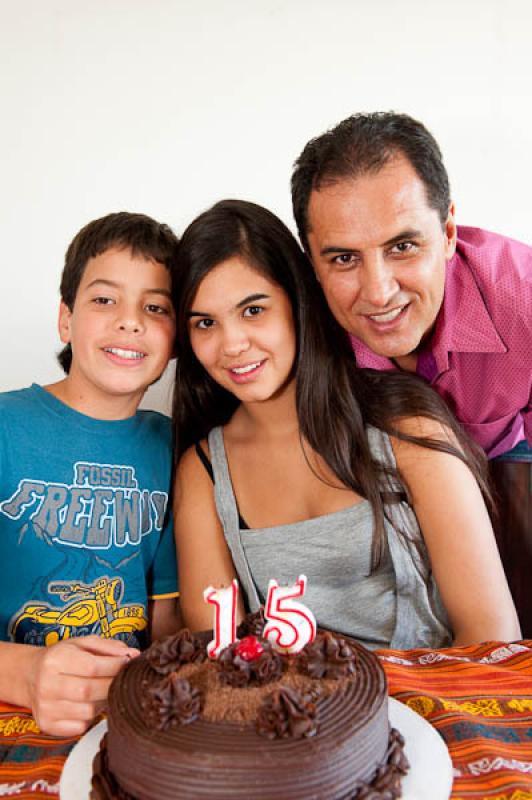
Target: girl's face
(241,330)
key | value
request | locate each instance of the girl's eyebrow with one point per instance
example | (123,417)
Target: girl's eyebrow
(251,298)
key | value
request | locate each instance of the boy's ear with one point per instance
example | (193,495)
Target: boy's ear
(63,323)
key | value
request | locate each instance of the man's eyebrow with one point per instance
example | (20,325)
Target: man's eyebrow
(327,251)
(116,285)
(409,233)
(251,298)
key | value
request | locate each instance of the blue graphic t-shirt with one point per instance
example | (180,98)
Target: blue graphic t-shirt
(85,533)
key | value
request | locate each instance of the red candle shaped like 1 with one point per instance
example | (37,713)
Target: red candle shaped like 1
(224,602)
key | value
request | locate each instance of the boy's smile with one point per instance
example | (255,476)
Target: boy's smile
(121,330)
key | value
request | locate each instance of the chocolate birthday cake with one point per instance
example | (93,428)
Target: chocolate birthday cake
(254,724)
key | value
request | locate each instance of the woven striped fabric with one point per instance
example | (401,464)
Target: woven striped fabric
(479,698)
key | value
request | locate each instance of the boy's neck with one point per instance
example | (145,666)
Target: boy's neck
(103,406)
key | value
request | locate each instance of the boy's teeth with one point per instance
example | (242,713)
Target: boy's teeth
(243,370)
(386,317)
(117,351)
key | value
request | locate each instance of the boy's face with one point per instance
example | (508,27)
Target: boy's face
(121,331)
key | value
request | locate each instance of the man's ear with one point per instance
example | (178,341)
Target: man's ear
(63,322)
(450,233)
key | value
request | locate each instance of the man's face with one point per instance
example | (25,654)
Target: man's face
(379,252)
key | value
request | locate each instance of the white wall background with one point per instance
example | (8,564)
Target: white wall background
(165,106)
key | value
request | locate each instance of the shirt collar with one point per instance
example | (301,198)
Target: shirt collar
(464,324)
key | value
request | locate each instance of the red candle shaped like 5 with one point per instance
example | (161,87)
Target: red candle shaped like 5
(291,625)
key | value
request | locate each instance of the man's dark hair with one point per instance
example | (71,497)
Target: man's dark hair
(138,233)
(364,143)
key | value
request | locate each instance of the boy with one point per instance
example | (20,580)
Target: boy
(84,479)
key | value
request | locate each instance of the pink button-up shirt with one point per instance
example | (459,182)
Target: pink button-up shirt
(479,358)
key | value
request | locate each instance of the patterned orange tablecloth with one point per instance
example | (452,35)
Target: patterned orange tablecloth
(479,699)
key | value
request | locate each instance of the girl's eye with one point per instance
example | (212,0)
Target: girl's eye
(253,311)
(204,324)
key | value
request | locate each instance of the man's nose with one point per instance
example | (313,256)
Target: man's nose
(378,282)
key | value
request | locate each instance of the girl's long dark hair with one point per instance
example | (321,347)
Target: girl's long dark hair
(335,399)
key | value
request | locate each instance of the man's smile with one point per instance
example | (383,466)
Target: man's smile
(387,317)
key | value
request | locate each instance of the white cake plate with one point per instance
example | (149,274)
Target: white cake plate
(430,773)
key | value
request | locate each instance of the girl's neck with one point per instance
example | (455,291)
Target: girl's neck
(274,417)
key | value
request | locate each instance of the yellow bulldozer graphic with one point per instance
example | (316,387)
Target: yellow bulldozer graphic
(94,609)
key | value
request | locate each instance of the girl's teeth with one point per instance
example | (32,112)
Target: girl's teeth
(243,370)
(117,351)
(386,317)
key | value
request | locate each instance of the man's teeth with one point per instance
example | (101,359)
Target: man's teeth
(388,316)
(243,370)
(117,351)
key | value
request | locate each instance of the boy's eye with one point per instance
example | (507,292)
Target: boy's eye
(154,308)
(102,301)
(253,311)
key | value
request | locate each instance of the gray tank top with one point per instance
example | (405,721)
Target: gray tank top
(396,606)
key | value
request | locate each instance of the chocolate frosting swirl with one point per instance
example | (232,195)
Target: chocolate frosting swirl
(328,656)
(286,714)
(252,625)
(237,672)
(170,653)
(386,784)
(173,701)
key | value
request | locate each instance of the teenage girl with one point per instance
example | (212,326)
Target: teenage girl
(292,460)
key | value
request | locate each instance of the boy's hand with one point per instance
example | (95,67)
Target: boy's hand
(68,682)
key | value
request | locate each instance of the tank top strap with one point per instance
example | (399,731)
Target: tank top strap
(418,599)
(228,512)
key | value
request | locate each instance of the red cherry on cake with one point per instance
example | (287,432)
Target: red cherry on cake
(249,648)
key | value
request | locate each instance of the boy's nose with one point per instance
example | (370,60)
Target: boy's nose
(130,320)
(130,326)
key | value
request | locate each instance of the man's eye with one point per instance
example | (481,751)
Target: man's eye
(403,247)
(204,324)
(253,311)
(344,259)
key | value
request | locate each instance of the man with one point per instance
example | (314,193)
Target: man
(373,208)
